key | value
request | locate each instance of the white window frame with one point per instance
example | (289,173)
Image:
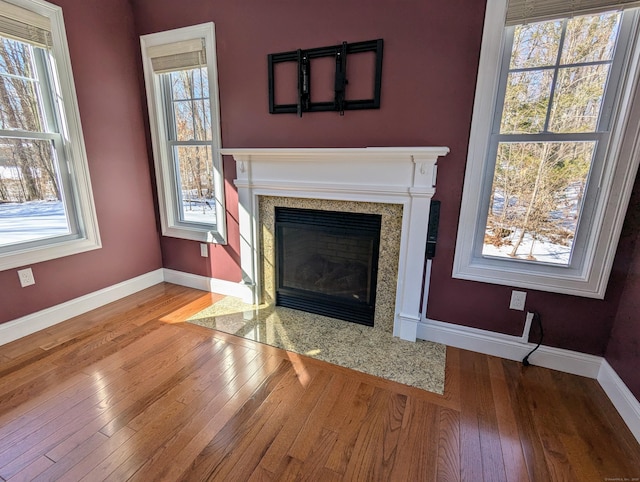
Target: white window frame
(163,160)
(588,273)
(86,236)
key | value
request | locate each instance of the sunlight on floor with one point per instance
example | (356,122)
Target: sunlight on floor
(366,349)
(300,369)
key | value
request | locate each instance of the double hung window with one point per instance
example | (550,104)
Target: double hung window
(181,80)
(46,206)
(548,177)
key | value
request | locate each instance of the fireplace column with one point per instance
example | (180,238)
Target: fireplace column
(417,218)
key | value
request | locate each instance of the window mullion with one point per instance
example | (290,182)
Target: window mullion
(47,101)
(628,22)
(564,66)
(169,112)
(556,69)
(20,134)
(189,143)
(177,182)
(503,79)
(551,137)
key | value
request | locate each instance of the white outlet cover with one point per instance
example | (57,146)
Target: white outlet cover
(204,250)
(26,277)
(518,300)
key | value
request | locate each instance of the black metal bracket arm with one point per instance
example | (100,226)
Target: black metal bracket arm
(341,102)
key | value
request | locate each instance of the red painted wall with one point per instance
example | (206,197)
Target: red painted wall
(104,53)
(429,73)
(623,351)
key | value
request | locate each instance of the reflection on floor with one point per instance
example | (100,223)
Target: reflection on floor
(359,347)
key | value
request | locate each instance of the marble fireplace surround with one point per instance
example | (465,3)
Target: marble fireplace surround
(403,176)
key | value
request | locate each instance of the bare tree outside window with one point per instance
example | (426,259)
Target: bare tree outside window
(31,199)
(192,152)
(547,136)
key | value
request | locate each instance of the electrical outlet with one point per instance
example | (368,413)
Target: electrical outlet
(204,250)
(26,277)
(518,299)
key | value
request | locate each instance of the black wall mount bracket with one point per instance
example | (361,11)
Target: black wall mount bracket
(341,101)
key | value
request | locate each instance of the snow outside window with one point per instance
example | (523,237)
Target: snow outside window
(181,81)
(46,205)
(548,180)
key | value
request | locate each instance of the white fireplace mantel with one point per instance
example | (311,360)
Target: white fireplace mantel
(398,175)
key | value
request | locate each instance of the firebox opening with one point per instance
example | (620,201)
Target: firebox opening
(327,262)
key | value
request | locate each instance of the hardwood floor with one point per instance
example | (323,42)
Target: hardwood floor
(130,392)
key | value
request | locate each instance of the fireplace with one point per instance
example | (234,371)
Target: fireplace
(400,178)
(327,262)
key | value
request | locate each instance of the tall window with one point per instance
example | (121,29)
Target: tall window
(181,84)
(46,208)
(553,154)
(547,134)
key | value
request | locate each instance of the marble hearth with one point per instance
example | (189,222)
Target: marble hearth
(396,183)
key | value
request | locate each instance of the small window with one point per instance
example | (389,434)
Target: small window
(542,191)
(181,79)
(46,207)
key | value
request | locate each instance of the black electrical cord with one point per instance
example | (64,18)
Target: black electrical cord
(536,317)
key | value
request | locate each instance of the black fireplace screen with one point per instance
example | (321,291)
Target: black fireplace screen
(327,262)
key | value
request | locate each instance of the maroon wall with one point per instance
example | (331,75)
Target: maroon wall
(429,74)
(623,352)
(104,54)
(431,53)
(420,105)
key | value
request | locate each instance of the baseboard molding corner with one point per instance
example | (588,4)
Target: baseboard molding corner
(213,285)
(625,402)
(42,319)
(509,347)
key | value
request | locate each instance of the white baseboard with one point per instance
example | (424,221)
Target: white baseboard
(40,320)
(228,288)
(26,325)
(509,347)
(621,397)
(514,348)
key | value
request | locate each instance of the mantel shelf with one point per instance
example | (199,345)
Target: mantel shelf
(336,153)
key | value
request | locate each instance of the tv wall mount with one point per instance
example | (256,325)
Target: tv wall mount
(340,102)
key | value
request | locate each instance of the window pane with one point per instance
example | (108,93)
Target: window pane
(189,84)
(195,184)
(535,45)
(16,58)
(577,98)
(31,204)
(191,106)
(192,120)
(526,102)
(200,83)
(536,200)
(20,103)
(590,38)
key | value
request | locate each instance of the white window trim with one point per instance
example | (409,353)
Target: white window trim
(75,151)
(591,277)
(171,225)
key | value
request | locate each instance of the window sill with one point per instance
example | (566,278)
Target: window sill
(192,234)
(40,254)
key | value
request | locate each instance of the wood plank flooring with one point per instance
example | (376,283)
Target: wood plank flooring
(131,392)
